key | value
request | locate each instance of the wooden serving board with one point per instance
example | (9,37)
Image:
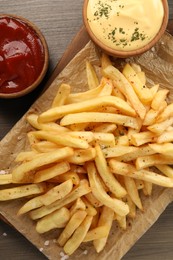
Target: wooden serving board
(79,41)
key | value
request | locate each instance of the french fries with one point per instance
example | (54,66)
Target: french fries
(44,159)
(57,219)
(90,155)
(74,222)
(56,193)
(118,206)
(22,191)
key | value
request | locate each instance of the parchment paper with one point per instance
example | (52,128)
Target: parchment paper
(158,65)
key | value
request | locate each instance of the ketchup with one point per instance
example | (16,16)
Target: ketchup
(21,55)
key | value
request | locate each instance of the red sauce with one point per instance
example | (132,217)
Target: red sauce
(21,55)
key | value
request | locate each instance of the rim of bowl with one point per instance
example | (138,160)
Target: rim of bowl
(126,54)
(46,58)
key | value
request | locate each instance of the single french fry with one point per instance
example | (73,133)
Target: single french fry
(105,60)
(45,146)
(165,137)
(118,150)
(104,139)
(105,128)
(62,139)
(95,219)
(133,191)
(117,93)
(141,90)
(62,95)
(121,221)
(106,218)
(91,211)
(78,127)
(96,233)
(141,151)
(151,160)
(116,205)
(74,222)
(56,219)
(159,128)
(48,173)
(27,156)
(165,148)
(159,97)
(78,236)
(51,126)
(150,117)
(132,207)
(97,117)
(57,192)
(92,78)
(108,178)
(123,140)
(81,156)
(55,113)
(126,88)
(142,77)
(5,179)
(87,95)
(78,205)
(141,138)
(165,169)
(167,113)
(32,139)
(92,199)
(145,175)
(147,189)
(22,191)
(154,89)
(78,192)
(85,135)
(107,87)
(70,175)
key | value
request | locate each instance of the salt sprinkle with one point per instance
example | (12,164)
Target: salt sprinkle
(2,172)
(4,234)
(46,243)
(85,252)
(153,49)
(41,249)
(64,257)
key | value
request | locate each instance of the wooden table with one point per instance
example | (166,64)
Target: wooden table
(60,21)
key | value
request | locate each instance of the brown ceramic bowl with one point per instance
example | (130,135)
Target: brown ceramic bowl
(45,58)
(125,54)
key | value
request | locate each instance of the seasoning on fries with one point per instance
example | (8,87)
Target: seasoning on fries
(92,155)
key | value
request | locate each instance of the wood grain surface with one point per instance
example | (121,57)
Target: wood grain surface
(60,21)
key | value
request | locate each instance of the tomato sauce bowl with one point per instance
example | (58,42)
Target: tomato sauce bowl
(24,56)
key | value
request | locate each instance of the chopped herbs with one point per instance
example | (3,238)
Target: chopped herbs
(103,10)
(137,35)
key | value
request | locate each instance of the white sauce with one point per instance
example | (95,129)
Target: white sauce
(125,24)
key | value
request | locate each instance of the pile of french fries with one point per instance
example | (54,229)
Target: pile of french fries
(93,154)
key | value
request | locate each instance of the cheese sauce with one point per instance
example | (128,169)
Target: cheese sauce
(125,24)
